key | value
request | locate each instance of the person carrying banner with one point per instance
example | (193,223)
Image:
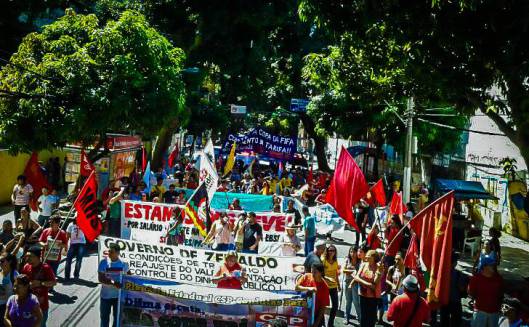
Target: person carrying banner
(109,275)
(231,274)
(52,256)
(41,278)
(314,282)
(238,231)
(253,233)
(176,234)
(114,215)
(219,235)
(290,244)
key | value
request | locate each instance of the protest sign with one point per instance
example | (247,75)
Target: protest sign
(260,141)
(149,222)
(147,302)
(197,266)
(327,219)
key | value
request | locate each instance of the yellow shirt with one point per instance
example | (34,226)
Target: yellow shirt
(331,271)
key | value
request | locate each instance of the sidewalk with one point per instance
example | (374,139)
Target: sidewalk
(514,266)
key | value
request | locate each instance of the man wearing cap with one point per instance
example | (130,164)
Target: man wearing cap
(41,278)
(409,309)
(486,288)
(314,257)
(290,244)
(109,275)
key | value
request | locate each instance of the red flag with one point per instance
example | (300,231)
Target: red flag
(412,255)
(397,207)
(310,177)
(377,195)
(86,166)
(86,206)
(433,226)
(143,159)
(36,179)
(173,156)
(347,187)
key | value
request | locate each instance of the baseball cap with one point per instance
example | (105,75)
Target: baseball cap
(411,283)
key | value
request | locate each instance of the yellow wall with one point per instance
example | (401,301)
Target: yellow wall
(12,166)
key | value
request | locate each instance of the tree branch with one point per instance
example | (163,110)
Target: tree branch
(502,124)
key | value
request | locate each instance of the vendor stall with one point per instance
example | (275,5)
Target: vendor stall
(120,160)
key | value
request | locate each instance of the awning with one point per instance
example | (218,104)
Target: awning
(464,190)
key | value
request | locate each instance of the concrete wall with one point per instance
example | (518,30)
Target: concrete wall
(12,166)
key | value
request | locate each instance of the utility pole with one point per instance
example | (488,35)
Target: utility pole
(406,185)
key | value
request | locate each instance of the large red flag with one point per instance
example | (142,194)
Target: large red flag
(377,194)
(347,187)
(433,226)
(86,165)
(36,179)
(86,206)
(173,156)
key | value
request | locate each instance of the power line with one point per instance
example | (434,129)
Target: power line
(459,129)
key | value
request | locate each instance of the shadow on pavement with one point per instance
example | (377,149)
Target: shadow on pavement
(60,298)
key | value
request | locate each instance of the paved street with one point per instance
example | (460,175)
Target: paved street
(77,304)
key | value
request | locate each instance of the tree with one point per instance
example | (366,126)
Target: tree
(470,54)
(79,79)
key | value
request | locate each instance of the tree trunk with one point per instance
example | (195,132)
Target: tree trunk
(319,142)
(162,144)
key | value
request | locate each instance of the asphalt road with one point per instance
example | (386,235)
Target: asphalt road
(77,304)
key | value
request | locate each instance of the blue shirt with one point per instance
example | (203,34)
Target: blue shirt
(112,270)
(309,224)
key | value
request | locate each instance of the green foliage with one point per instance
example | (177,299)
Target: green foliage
(82,79)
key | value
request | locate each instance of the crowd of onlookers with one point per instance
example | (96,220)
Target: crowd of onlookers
(374,278)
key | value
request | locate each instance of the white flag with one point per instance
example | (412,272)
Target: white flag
(208,175)
(210,151)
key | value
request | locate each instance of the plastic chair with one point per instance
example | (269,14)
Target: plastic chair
(473,243)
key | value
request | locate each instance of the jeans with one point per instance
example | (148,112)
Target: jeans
(451,314)
(484,319)
(309,245)
(333,292)
(105,306)
(44,318)
(356,301)
(17,209)
(43,220)
(368,308)
(77,251)
(222,247)
(54,266)
(348,299)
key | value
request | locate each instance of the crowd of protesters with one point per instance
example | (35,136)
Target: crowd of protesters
(376,282)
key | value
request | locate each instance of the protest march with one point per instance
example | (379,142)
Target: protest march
(203,242)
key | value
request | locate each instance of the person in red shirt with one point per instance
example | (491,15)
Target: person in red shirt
(314,282)
(41,278)
(52,254)
(486,288)
(373,241)
(394,239)
(409,309)
(231,274)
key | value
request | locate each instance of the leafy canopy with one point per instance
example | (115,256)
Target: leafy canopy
(79,79)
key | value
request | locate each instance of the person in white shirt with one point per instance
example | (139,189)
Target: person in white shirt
(76,249)
(46,204)
(21,195)
(290,244)
(220,234)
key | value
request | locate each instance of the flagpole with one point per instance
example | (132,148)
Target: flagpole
(66,219)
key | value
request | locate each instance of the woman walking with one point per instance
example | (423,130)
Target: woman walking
(23,307)
(332,273)
(350,269)
(368,278)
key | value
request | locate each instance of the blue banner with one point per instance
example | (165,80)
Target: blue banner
(260,141)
